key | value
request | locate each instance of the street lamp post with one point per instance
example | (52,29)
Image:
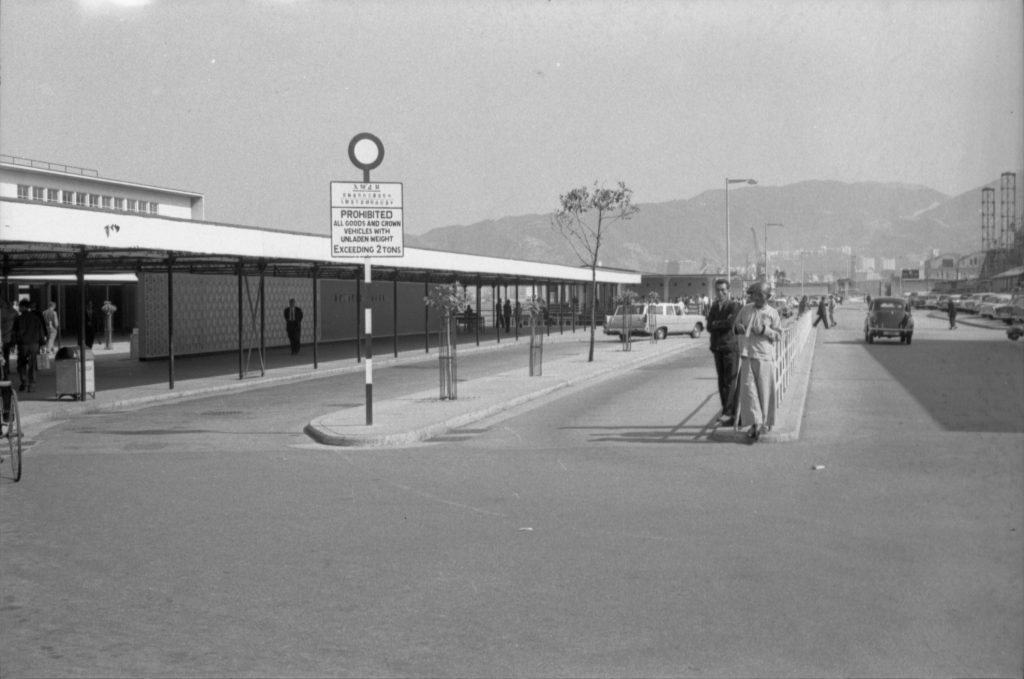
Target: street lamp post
(766,247)
(728,250)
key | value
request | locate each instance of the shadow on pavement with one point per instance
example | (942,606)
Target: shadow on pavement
(961,399)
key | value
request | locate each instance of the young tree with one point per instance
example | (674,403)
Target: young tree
(581,218)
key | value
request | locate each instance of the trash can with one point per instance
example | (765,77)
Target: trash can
(69,373)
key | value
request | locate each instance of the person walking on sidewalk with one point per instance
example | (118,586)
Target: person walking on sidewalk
(506,313)
(758,327)
(725,348)
(822,314)
(293,325)
(951,312)
(29,333)
(52,326)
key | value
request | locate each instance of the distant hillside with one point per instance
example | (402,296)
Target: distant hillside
(874,219)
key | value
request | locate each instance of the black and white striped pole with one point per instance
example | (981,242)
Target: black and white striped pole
(368,325)
(367,152)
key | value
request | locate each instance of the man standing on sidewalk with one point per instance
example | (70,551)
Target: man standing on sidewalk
(29,333)
(725,348)
(293,325)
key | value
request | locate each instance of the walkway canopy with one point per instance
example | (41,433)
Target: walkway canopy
(40,238)
(45,238)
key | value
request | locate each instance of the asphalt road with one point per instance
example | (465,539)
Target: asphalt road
(595,534)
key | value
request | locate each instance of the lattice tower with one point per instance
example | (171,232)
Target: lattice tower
(988,218)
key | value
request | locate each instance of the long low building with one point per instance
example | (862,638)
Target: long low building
(203,286)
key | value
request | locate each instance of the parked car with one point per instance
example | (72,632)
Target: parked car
(988,306)
(931,300)
(1014,332)
(1011,311)
(782,306)
(665,318)
(970,303)
(889,317)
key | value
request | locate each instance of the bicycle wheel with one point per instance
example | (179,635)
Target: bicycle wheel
(12,432)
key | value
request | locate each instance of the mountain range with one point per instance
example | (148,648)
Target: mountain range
(873,219)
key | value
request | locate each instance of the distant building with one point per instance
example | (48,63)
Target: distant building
(969,266)
(941,267)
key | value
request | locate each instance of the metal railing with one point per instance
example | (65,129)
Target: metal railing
(43,165)
(794,339)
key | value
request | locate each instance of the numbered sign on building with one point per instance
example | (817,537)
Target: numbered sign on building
(366,219)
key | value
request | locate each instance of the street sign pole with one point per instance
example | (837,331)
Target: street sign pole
(366,219)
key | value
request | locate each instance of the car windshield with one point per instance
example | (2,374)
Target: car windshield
(888,305)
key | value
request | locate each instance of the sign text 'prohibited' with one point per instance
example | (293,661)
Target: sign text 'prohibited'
(366,219)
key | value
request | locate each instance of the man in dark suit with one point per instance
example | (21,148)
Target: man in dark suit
(293,324)
(725,348)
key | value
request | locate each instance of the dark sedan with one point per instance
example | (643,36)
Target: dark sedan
(889,317)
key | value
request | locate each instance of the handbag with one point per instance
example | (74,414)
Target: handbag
(43,361)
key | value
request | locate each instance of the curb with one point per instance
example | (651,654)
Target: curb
(70,409)
(323,433)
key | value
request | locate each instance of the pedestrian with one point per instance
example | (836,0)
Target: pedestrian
(868,300)
(758,328)
(802,307)
(29,333)
(506,312)
(52,324)
(90,325)
(725,348)
(832,310)
(8,315)
(293,325)
(822,313)
(951,312)
(518,312)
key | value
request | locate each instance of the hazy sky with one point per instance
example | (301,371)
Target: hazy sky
(494,108)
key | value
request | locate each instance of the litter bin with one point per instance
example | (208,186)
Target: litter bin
(69,373)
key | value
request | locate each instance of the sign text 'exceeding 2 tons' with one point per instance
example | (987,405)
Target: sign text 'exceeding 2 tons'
(366,219)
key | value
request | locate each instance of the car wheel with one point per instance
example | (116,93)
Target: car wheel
(661,333)
(697,330)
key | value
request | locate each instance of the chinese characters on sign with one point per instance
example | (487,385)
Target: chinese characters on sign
(366,219)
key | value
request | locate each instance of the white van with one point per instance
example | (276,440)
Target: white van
(662,319)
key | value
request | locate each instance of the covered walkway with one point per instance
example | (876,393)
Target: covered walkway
(41,239)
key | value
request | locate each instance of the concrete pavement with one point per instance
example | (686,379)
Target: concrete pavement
(126,384)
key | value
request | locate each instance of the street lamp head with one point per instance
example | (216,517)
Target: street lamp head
(740,181)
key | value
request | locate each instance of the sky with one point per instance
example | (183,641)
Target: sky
(491,108)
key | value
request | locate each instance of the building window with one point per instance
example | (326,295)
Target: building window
(94,200)
(52,196)
(133,205)
(23,192)
(106,202)
(80,199)
(68,197)
(37,193)
(153,208)
(119,203)
(142,206)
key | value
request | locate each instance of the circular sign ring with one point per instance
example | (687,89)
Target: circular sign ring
(365,136)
